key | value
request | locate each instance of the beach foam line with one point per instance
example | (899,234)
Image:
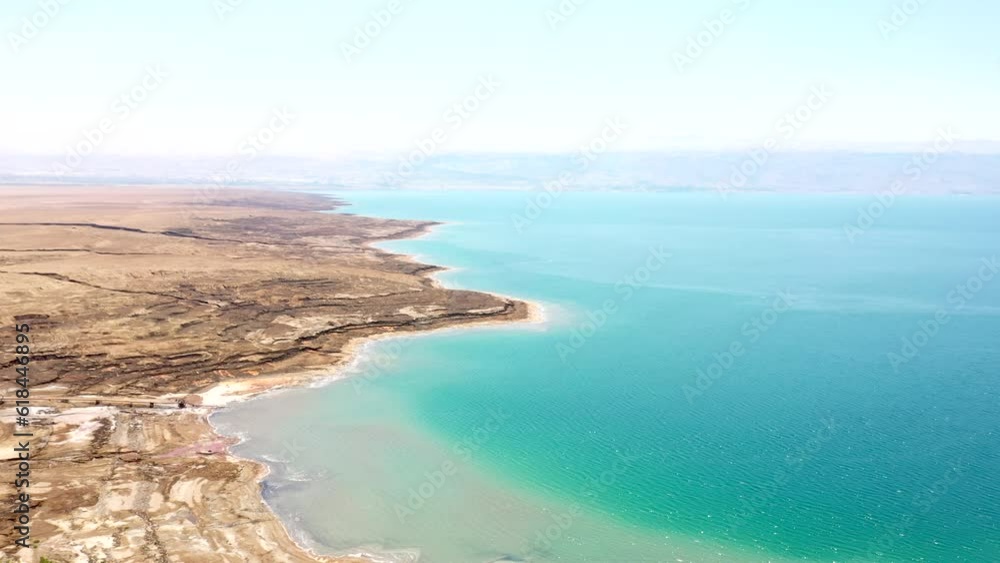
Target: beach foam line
(353,354)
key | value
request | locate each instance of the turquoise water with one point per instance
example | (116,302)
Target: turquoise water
(717,381)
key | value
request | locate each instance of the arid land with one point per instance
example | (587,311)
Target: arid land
(142,299)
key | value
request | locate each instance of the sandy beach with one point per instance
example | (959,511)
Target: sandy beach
(173,297)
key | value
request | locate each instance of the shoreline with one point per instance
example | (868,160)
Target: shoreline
(533,314)
(224,394)
(193,300)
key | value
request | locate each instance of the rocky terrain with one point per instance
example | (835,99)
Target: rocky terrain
(143,299)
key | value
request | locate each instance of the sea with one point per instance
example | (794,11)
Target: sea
(757,377)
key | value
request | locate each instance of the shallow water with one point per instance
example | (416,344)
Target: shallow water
(736,400)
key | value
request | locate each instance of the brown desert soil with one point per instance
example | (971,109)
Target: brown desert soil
(142,298)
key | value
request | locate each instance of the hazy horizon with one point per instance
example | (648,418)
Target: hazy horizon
(932,172)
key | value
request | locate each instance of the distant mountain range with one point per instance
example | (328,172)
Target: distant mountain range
(927,172)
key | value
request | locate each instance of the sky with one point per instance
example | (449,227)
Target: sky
(200,77)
